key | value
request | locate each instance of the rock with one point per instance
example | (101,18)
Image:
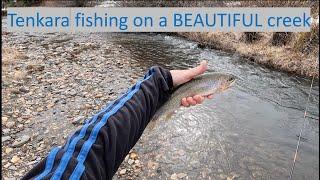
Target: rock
(10,124)
(133,155)
(181,175)
(24,90)
(5,138)
(122,172)
(130,161)
(5,131)
(7,165)
(8,150)
(15,91)
(4,119)
(73,92)
(21,141)
(174,176)
(39,109)
(13,168)
(99,95)
(35,67)
(15,159)
(231,178)
(50,105)
(78,120)
(223,176)
(126,158)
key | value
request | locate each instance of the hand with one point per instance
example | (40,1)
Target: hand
(182,76)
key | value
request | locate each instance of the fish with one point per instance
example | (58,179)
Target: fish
(204,85)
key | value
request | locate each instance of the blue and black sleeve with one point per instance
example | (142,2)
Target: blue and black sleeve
(97,149)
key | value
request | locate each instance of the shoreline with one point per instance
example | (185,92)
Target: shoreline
(283,58)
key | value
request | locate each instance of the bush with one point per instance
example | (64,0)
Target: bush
(281,38)
(250,37)
(307,42)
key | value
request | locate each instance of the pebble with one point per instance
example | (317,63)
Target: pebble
(24,89)
(123,171)
(78,120)
(73,92)
(79,84)
(15,159)
(21,141)
(181,175)
(8,150)
(133,155)
(5,131)
(10,124)
(4,119)
(5,138)
(174,176)
(130,161)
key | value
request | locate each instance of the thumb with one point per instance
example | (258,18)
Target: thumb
(198,70)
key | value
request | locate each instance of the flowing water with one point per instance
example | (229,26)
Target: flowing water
(247,132)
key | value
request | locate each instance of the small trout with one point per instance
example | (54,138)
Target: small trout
(204,85)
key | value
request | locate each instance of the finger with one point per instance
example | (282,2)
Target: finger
(200,69)
(198,99)
(191,101)
(210,96)
(184,102)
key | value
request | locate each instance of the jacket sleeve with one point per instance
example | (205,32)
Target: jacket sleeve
(97,149)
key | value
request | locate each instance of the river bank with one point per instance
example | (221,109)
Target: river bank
(295,53)
(289,52)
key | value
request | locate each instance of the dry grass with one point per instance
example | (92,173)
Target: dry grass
(260,50)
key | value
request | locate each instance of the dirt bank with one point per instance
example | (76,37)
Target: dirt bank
(290,52)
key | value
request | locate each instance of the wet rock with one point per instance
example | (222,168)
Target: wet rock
(21,141)
(78,120)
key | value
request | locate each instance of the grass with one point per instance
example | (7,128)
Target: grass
(261,49)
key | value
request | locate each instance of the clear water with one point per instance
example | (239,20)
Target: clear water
(247,132)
